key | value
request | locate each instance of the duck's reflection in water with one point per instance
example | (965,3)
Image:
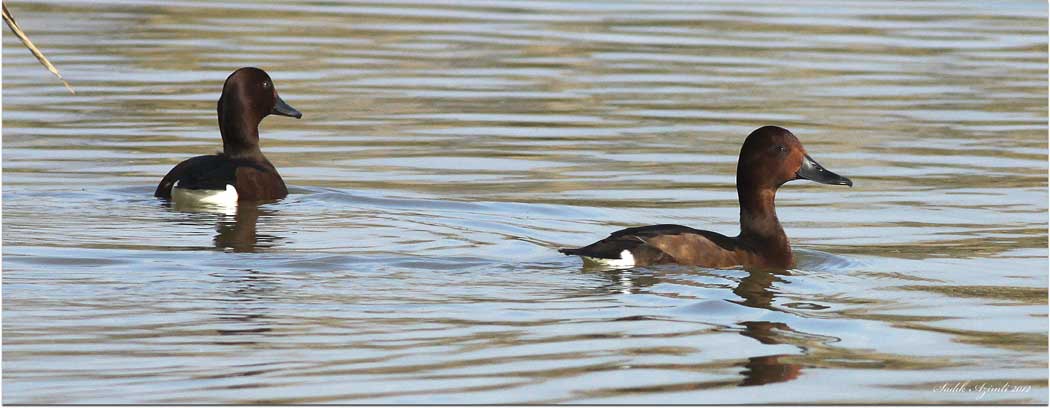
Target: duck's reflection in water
(236,224)
(238,233)
(756,290)
(244,295)
(767,369)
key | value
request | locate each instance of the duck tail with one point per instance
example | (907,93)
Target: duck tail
(571,251)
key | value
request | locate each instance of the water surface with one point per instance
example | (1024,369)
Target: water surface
(447,150)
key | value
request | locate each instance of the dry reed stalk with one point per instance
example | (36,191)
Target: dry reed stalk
(10,20)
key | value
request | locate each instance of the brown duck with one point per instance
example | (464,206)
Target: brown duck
(770,157)
(240,172)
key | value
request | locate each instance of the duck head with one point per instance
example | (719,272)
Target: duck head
(772,156)
(248,96)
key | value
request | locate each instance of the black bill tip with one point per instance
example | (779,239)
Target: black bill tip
(284,109)
(811,170)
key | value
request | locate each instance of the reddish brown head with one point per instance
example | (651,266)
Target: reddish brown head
(248,96)
(772,156)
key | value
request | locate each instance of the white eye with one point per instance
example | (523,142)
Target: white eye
(266,84)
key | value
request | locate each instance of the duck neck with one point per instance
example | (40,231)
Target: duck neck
(759,226)
(240,135)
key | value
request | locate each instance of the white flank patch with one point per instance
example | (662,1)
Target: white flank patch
(224,201)
(626,260)
(217,197)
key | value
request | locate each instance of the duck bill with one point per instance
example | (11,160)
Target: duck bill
(284,109)
(811,170)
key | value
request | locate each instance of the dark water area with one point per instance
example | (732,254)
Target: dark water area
(447,150)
